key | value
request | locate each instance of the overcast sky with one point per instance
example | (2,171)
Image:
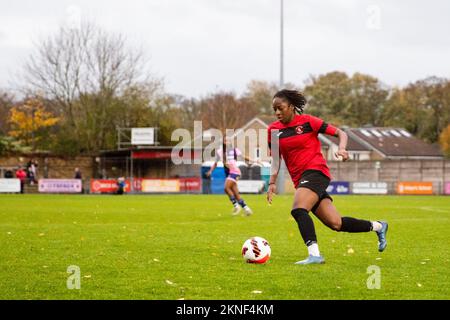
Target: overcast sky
(199,46)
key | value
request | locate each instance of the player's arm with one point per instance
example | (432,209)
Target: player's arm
(275,168)
(217,159)
(275,163)
(249,160)
(328,129)
(211,169)
(342,150)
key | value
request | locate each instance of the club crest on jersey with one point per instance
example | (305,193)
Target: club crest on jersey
(299,130)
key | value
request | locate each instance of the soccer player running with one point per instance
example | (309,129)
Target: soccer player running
(298,144)
(228,155)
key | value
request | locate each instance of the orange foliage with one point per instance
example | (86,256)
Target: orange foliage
(444,140)
(29,118)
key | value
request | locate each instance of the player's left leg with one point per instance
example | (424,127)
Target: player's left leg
(328,214)
(241,201)
(228,188)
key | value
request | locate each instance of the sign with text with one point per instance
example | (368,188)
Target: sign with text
(339,187)
(447,188)
(369,188)
(110,185)
(160,185)
(251,186)
(142,136)
(9,185)
(415,188)
(60,185)
(190,184)
(107,186)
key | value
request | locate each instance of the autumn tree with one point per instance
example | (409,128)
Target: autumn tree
(260,94)
(422,107)
(224,110)
(444,141)
(328,96)
(367,98)
(353,101)
(29,122)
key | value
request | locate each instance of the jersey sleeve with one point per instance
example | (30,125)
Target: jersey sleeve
(320,126)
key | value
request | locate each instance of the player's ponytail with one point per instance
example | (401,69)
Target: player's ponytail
(294,97)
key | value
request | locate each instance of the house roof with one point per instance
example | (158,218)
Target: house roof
(352,145)
(394,142)
(267,119)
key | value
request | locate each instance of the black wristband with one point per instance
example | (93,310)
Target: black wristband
(271,183)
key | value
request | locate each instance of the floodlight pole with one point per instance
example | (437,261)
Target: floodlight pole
(281,173)
(281,44)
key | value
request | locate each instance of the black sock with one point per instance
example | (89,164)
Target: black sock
(305,225)
(355,225)
(242,203)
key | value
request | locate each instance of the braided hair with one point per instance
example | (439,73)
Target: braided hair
(294,97)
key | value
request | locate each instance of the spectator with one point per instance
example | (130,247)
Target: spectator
(21,175)
(31,170)
(9,174)
(78,174)
(103,174)
(120,185)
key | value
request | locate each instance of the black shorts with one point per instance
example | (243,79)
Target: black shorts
(316,181)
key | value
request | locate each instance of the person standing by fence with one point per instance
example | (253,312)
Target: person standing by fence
(21,175)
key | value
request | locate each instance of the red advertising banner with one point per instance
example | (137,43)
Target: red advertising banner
(190,184)
(164,154)
(148,185)
(106,186)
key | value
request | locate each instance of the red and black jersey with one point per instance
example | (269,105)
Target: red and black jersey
(299,144)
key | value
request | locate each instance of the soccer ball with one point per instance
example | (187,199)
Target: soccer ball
(256,250)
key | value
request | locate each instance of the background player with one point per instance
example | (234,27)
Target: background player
(228,155)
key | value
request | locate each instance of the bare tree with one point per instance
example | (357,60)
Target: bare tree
(224,110)
(83,70)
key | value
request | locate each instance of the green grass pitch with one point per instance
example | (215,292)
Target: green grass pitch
(189,247)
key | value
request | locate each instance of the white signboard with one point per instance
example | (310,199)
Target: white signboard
(251,186)
(370,188)
(60,185)
(142,136)
(9,185)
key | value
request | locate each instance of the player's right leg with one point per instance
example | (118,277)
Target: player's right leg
(304,199)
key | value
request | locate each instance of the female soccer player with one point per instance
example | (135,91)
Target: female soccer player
(232,172)
(296,136)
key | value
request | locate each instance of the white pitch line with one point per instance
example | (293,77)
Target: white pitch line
(433,209)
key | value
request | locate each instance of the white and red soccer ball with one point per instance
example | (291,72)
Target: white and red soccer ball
(256,250)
